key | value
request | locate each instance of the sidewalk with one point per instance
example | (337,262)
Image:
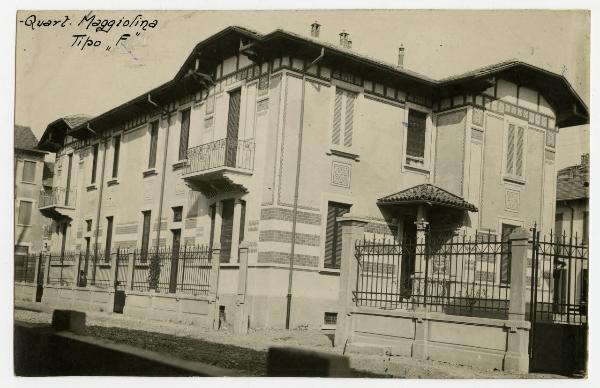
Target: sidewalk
(248,352)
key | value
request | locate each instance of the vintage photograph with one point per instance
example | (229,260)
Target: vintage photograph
(311,193)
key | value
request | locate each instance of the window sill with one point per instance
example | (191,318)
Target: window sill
(513,179)
(112,182)
(28,183)
(229,265)
(24,226)
(91,187)
(179,164)
(343,153)
(329,271)
(412,167)
(328,327)
(149,172)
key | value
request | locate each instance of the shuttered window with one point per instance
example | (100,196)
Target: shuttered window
(145,235)
(109,232)
(94,162)
(25,212)
(343,118)
(505,256)
(153,144)
(515,149)
(415,137)
(333,235)
(28,171)
(116,151)
(184,134)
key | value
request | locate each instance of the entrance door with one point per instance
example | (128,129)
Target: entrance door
(175,260)
(226,230)
(233,124)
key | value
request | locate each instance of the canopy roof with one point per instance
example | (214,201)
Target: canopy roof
(429,194)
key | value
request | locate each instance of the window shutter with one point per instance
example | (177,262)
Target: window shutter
(333,236)
(153,144)
(520,147)
(337,117)
(329,239)
(117,150)
(145,235)
(184,135)
(510,149)
(25,213)
(415,139)
(28,171)
(349,119)
(94,162)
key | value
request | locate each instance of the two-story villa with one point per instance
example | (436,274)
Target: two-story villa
(264,140)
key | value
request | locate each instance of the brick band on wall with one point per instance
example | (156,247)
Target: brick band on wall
(284,258)
(313,240)
(285,214)
(126,229)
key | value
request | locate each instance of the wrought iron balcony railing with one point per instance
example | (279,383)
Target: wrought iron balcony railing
(58,196)
(232,153)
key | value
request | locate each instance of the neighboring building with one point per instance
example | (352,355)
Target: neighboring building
(242,145)
(30,179)
(572,201)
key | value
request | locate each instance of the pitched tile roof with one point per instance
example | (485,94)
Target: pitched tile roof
(76,120)
(24,138)
(427,193)
(573,182)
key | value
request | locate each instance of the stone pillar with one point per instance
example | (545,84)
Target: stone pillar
(353,228)
(76,271)
(420,282)
(131,269)
(419,349)
(240,325)
(213,291)
(235,233)
(113,269)
(46,269)
(218,223)
(516,358)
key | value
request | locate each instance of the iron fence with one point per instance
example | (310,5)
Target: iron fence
(57,196)
(221,153)
(25,268)
(558,276)
(185,270)
(459,275)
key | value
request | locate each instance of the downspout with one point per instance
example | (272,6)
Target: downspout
(296,189)
(100,190)
(164,166)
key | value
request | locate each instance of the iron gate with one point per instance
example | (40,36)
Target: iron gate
(558,304)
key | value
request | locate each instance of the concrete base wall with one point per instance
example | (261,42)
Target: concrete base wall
(179,308)
(25,291)
(479,342)
(79,298)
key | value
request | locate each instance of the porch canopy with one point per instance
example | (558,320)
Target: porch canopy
(427,194)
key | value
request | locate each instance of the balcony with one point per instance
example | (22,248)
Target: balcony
(58,203)
(221,166)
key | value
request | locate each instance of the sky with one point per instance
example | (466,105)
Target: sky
(55,78)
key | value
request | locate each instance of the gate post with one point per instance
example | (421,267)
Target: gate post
(213,290)
(46,270)
(240,325)
(353,229)
(516,358)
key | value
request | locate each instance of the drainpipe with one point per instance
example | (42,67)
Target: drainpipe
(164,167)
(296,189)
(100,190)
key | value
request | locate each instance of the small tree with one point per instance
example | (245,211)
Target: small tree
(154,271)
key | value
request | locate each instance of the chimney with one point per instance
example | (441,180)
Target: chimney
(349,44)
(344,39)
(401,57)
(585,160)
(315,29)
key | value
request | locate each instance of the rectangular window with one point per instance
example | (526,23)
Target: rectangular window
(116,151)
(343,118)
(21,250)
(28,171)
(415,137)
(145,236)
(153,144)
(333,234)
(88,225)
(507,229)
(25,212)
(109,230)
(184,134)
(177,213)
(515,148)
(94,162)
